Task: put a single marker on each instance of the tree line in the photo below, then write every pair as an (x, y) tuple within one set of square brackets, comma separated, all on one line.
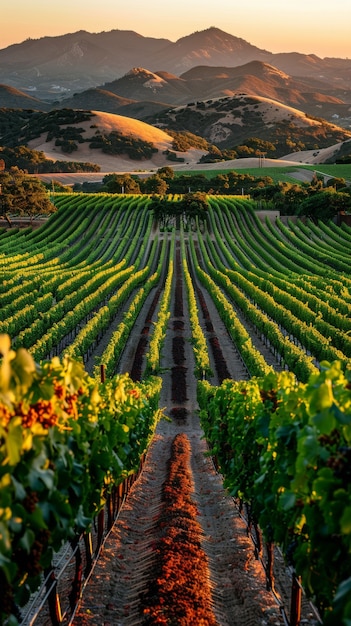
[(24, 195), (315, 199)]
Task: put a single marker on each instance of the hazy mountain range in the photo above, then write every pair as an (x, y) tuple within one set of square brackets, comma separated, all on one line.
[(209, 83), (209, 63)]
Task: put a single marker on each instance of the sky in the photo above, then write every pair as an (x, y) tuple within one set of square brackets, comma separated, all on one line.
[(320, 27)]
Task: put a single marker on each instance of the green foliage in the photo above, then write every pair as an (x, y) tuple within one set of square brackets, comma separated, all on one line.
[(200, 347), (154, 184), (284, 447), (116, 143), (281, 278), (23, 194), (194, 206), (166, 172), (35, 162), (255, 146), (183, 140), (336, 183), (324, 205), (187, 210), (123, 183), (55, 186), (18, 126), (284, 197), (64, 442)]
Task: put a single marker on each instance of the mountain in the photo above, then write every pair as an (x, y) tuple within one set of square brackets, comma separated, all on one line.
[(54, 67), (142, 94), (208, 47), (141, 84), (95, 98), (12, 98), (209, 84), (233, 120), (147, 93)]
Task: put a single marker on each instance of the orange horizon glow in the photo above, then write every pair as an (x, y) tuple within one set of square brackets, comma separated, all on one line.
[(322, 30)]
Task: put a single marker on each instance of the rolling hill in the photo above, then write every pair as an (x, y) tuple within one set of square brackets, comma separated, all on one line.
[(141, 93), (103, 125), (13, 98), (95, 136), (202, 82), (232, 120), (90, 136)]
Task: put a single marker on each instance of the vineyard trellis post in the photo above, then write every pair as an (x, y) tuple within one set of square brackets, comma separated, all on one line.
[(296, 597), (53, 599)]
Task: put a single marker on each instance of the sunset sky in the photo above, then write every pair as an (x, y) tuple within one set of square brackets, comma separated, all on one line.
[(309, 26)]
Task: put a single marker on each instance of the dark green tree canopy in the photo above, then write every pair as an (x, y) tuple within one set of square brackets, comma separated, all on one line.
[(155, 184), (325, 205), (22, 195), (123, 183), (189, 209)]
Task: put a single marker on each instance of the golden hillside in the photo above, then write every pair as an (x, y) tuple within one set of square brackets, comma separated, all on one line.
[(107, 123)]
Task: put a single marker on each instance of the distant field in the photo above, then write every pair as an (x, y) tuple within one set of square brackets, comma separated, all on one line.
[(283, 173), (337, 171), (276, 173)]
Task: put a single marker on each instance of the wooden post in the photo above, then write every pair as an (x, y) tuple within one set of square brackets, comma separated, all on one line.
[(296, 595), (101, 526), (88, 552), (110, 510), (78, 578), (269, 568), (102, 373), (53, 600), (121, 491), (258, 541)]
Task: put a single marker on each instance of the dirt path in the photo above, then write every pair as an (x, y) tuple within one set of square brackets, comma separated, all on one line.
[(239, 595)]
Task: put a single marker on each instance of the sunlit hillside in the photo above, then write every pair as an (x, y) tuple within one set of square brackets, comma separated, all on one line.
[(106, 123)]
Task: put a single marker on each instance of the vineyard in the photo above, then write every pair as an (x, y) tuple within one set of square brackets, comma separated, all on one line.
[(112, 325)]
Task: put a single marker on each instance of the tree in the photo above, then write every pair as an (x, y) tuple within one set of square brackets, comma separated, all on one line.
[(191, 207), (220, 183), (163, 210), (337, 183), (293, 195), (284, 197), (154, 184), (325, 205), (57, 187), (166, 172), (22, 194), (194, 206), (255, 146), (268, 193), (124, 183)]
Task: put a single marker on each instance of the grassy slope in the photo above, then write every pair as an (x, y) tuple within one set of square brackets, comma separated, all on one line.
[(279, 173)]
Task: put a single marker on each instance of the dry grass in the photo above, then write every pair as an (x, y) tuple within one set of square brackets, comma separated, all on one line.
[(109, 122)]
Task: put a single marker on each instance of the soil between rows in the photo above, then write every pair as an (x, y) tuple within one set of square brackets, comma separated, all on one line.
[(120, 578)]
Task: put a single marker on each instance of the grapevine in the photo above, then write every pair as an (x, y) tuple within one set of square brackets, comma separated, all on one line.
[(284, 448), (65, 440)]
